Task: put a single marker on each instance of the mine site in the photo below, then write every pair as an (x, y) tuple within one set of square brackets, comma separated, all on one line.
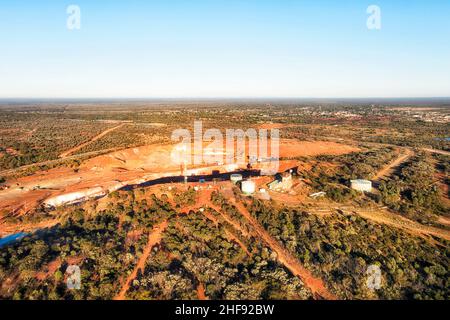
[(97, 186), (224, 159)]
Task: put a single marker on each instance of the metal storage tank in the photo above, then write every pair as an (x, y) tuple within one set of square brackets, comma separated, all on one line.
[(248, 186), (361, 185), (236, 177)]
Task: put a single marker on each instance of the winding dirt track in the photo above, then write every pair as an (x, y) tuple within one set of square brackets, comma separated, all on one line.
[(153, 239), (97, 137), (316, 285)]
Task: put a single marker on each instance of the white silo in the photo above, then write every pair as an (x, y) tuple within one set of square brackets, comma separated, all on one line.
[(248, 186)]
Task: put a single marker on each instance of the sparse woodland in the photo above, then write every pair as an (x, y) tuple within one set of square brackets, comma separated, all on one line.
[(196, 250)]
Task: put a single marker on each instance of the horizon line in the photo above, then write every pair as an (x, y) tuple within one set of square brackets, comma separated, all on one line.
[(220, 98)]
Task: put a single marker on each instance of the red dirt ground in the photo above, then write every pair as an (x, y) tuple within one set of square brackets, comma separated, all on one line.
[(153, 239), (130, 166), (295, 148), (49, 270), (201, 292)]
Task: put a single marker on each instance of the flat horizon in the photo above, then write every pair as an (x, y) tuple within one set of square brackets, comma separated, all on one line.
[(187, 98)]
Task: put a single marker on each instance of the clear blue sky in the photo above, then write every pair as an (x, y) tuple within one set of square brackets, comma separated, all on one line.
[(224, 48)]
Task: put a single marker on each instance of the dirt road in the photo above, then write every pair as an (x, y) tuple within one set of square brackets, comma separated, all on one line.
[(383, 215), (395, 220), (154, 238), (316, 285), (387, 170), (97, 137), (446, 153)]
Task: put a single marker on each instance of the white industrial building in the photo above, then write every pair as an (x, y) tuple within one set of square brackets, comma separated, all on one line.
[(74, 197)]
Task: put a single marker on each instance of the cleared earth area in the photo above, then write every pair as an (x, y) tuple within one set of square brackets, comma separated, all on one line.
[(107, 173)]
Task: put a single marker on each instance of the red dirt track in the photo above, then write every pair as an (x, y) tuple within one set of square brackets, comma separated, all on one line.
[(154, 238)]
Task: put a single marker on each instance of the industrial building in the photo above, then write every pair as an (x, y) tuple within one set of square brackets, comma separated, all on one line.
[(282, 182), (74, 197)]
